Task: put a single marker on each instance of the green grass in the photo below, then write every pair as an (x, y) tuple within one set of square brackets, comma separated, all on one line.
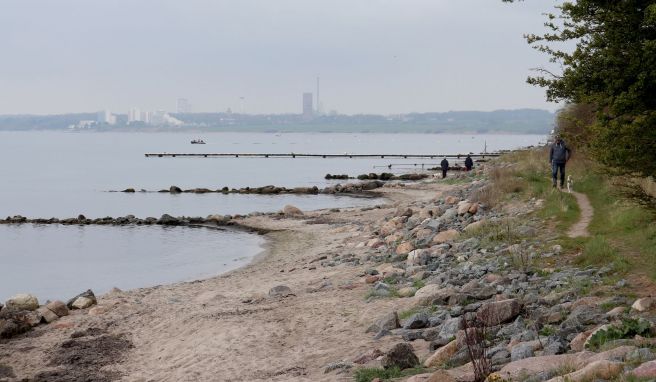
[(598, 252), (623, 231), (419, 284), (369, 374)]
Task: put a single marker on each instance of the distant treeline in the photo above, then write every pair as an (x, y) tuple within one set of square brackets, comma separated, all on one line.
[(526, 121)]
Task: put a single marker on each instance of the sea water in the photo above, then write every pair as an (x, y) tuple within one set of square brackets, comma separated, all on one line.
[(57, 174)]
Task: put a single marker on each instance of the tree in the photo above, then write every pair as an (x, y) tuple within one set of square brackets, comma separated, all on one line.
[(612, 67)]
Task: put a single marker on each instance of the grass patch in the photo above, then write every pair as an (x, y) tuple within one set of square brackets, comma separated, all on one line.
[(598, 252), (369, 374), (419, 284)]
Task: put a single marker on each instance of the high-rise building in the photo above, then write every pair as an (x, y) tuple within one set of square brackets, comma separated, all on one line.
[(134, 115), (308, 110), (183, 105), (104, 116)]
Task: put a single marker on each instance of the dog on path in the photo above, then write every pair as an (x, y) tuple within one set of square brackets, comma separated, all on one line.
[(570, 183)]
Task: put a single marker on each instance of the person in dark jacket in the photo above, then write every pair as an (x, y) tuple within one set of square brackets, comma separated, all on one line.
[(558, 157), (469, 163), (445, 167)]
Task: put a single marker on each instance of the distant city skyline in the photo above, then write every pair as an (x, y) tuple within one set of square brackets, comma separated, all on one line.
[(383, 57)]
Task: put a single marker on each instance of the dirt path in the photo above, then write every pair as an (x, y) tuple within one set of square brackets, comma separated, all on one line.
[(580, 229)]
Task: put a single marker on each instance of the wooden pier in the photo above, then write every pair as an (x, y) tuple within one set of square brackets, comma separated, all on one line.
[(346, 155)]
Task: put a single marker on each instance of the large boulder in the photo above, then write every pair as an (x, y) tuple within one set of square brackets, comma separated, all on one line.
[(402, 355), (597, 370), (498, 312), (175, 190), (167, 219), (404, 248), (434, 294), (643, 304), (14, 322), (23, 301), (463, 207), (47, 315), (290, 210), (442, 355), (58, 307), (82, 300), (646, 370), (389, 321), (445, 236)]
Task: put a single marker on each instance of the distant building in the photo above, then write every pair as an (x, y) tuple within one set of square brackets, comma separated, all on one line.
[(308, 109), (105, 117), (146, 117), (183, 105), (134, 115)]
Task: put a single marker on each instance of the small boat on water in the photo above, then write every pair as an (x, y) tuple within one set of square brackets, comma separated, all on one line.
[(198, 142)]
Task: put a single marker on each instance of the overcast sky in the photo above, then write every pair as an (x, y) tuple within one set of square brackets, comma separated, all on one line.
[(373, 56)]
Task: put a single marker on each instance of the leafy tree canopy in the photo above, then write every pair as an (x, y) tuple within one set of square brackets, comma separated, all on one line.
[(611, 66)]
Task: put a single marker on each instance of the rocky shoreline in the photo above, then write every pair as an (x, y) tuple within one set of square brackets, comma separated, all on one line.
[(436, 284)]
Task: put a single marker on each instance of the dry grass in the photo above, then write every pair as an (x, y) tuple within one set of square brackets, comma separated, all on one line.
[(648, 186)]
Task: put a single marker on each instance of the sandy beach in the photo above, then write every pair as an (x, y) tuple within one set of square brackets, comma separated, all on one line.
[(228, 328)]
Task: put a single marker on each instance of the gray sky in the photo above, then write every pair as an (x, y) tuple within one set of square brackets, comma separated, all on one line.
[(373, 56)]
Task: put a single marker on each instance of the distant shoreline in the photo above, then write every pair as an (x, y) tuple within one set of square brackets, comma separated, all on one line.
[(241, 130)]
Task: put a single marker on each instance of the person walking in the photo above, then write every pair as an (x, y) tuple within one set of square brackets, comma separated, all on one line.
[(469, 163), (445, 167), (558, 157)]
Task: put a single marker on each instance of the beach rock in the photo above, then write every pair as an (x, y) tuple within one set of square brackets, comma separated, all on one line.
[(463, 207), (47, 315), (643, 304), (473, 208), (23, 301), (375, 243), (434, 294), (58, 307), (499, 312), (290, 210), (440, 376), (389, 321), (368, 356), (417, 321), (521, 351), (280, 291), (403, 211), (597, 370), (474, 226), (14, 322), (404, 248), (646, 370), (402, 355), (82, 303), (445, 236), (451, 200), (86, 299), (175, 190), (417, 257), (340, 365), (442, 354), (97, 311), (128, 190), (167, 219)]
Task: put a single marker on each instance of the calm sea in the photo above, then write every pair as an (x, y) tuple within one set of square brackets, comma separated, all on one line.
[(47, 174)]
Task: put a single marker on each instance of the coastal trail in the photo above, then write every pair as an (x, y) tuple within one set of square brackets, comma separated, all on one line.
[(580, 229)]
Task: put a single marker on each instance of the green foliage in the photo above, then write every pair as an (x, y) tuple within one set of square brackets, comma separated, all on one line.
[(610, 70), (628, 329), (597, 251), (419, 284), (369, 374)]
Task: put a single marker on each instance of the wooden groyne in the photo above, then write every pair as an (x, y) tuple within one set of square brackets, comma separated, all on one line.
[(295, 155)]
